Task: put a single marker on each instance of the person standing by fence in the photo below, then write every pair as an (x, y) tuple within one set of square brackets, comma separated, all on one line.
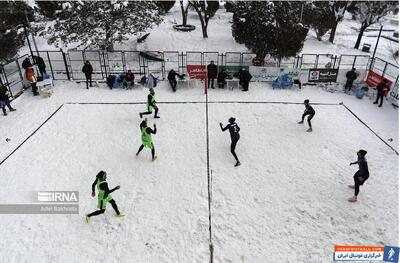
[(4, 99), (88, 70), (381, 89), (41, 65), (212, 71), (31, 77), (350, 76)]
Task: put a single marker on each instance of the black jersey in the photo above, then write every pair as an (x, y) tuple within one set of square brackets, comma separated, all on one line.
[(309, 110), (233, 130)]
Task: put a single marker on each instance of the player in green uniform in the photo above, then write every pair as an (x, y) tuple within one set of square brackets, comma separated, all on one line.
[(104, 196), (151, 103), (146, 138)]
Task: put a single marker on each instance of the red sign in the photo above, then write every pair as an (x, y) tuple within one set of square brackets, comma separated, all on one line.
[(197, 71), (373, 79)]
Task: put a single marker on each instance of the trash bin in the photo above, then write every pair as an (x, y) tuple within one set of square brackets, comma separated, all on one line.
[(366, 47)]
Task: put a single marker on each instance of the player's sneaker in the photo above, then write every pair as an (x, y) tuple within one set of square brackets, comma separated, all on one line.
[(87, 219), (156, 117), (300, 122), (153, 159), (237, 164), (309, 130), (121, 214), (351, 186), (353, 199)]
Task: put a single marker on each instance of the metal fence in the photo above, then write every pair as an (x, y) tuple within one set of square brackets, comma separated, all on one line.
[(68, 66)]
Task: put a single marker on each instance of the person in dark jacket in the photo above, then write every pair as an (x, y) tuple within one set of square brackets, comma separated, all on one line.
[(129, 79), (88, 70), (381, 88), (172, 78), (244, 79), (41, 65), (361, 175), (235, 136), (4, 99), (212, 71), (350, 76), (222, 79), (26, 63), (308, 111)]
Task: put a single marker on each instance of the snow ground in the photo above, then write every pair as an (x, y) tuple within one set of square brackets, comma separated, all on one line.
[(290, 192)]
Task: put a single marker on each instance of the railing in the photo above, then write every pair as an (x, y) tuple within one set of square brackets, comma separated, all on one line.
[(68, 66)]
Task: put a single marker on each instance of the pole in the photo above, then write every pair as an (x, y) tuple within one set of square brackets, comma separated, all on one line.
[(33, 38), (376, 45), (27, 39)]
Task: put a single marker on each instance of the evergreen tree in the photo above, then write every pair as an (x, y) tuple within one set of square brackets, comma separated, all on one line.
[(370, 12), (165, 6), (319, 16), (47, 8), (205, 10), (101, 23), (13, 16), (269, 28)]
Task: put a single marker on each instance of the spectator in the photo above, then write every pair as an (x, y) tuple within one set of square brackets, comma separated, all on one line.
[(212, 71), (350, 76), (26, 63), (31, 77), (88, 70), (41, 65), (244, 79), (382, 88), (222, 79), (4, 100), (129, 79), (172, 78)]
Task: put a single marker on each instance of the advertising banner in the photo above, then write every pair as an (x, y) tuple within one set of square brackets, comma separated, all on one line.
[(323, 75), (374, 78), (197, 71)]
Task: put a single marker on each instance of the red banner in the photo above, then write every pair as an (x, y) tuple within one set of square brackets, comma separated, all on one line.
[(197, 71), (373, 79)]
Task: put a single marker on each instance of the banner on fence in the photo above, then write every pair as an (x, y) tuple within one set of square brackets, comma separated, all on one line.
[(232, 70), (323, 75), (271, 73), (374, 78), (197, 71)]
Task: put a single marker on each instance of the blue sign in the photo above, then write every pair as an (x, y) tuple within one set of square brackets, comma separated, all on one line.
[(391, 254)]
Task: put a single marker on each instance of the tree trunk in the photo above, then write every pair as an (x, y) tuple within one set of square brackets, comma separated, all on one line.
[(203, 20), (184, 13), (360, 35), (333, 31)]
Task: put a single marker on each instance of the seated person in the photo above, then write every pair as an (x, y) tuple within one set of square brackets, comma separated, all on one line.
[(221, 78), (129, 78)]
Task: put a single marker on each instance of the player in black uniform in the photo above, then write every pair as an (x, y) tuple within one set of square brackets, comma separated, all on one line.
[(235, 136), (361, 175), (309, 111)]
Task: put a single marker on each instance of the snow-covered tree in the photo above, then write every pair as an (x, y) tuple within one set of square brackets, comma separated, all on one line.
[(47, 8), (319, 16), (338, 8), (269, 28), (370, 12), (184, 10), (205, 10), (12, 18), (165, 6), (101, 23)]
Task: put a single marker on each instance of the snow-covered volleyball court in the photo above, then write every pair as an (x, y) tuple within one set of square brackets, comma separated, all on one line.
[(287, 202)]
